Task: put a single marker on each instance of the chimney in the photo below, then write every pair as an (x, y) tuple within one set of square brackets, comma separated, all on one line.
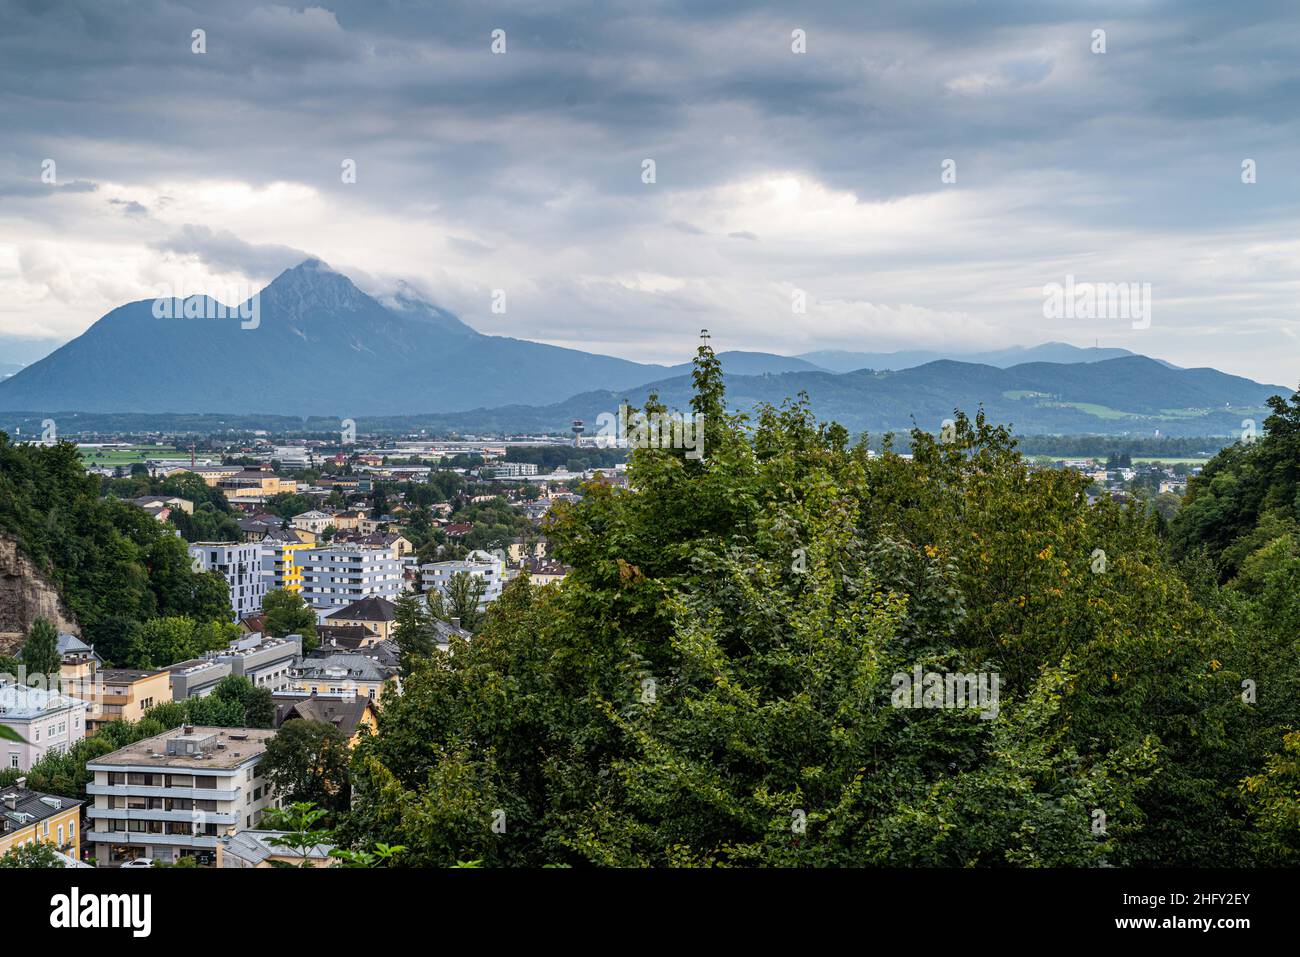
[(11, 801), (187, 729), (21, 783), (455, 622)]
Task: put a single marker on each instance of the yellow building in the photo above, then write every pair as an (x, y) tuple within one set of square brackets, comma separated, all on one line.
[(279, 558), (340, 673), (348, 713), (29, 817)]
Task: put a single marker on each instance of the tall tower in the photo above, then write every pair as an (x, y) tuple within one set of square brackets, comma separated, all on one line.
[(578, 429)]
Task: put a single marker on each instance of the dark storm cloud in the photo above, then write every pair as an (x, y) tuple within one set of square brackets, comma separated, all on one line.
[(224, 251), (541, 149)]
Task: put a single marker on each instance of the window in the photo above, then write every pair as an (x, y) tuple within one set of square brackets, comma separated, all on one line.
[(13, 760), (60, 835)]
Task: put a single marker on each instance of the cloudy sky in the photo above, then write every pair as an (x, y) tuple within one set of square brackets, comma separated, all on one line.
[(775, 171)]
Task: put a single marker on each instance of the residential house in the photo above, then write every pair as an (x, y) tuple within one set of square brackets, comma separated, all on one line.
[(43, 720), (347, 712), (78, 660), (256, 848), (376, 614), (31, 817), (314, 521), (341, 673), (165, 501)]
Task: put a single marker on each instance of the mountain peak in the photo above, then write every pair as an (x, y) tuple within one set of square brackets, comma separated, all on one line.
[(313, 286)]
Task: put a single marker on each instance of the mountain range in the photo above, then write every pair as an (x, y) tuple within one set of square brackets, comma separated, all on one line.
[(321, 346)]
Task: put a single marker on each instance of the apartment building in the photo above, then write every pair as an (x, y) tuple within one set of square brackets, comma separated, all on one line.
[(176, 794), (196, 678), (507, 470), (241, 565), (123, 694), (280, 566), (478, 563), (30, 817), (43, 720), (336, 576), (263, 660)]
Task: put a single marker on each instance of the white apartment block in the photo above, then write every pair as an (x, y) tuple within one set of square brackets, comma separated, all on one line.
[(45, 720), (263, 660), (337, 575), (241, 565), (479, 563), (176, 794)]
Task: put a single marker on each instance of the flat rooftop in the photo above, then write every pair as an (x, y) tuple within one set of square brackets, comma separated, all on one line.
[(231, 747), (125, 675)]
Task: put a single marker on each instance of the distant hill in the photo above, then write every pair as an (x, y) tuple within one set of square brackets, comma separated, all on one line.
[(751, 363), (837, 361), (324, 348), (1132, 395)]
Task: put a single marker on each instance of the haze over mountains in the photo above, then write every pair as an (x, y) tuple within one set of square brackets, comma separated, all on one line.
[(323, 347)]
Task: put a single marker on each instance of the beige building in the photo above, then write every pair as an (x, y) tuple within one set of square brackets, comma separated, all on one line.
[(123, 694), (340, 673), (177, 794)]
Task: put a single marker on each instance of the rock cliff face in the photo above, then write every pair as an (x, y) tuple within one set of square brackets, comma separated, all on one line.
[(25, 595)]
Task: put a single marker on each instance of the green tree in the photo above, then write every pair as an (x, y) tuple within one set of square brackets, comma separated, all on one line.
[(463, 593), (287, 614), (35, 854), (308, 761), (41, 651)]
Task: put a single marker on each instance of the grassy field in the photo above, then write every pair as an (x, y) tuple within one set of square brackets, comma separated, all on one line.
[(128, 455)]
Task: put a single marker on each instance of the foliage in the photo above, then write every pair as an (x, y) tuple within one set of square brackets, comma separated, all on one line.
[(286, 613), (40, 650), (308, 761), (105, 556), (462, 595), (34, 854)]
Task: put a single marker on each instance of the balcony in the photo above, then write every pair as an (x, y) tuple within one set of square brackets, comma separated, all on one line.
[(140, 790), (136, 837), (141, 814)]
